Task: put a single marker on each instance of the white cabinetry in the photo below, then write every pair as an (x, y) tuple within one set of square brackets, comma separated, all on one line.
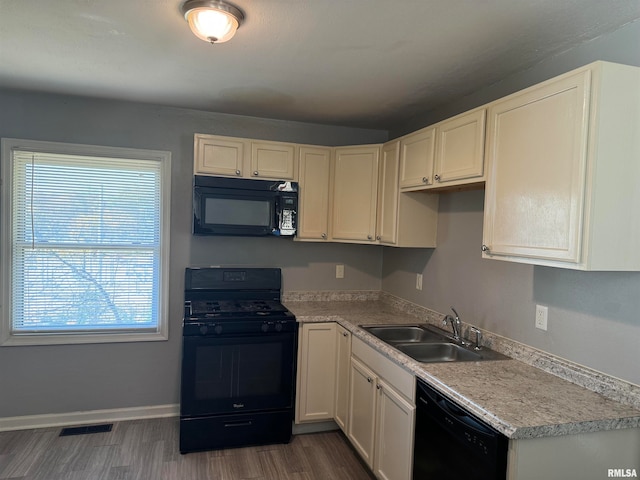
[(381, 413), (355, 188), (459, 158), (447, 154), (563, 172), (314, 198), (316, 372), (343, 366), (243, 157), (416, 158), (405, 219)]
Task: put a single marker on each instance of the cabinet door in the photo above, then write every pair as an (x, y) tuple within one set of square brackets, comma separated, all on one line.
[(316, 372), (355, 186), (215, 155), (314, 177), (394, 434), (460, 149), (343, 366), (362, 410), (272, 160), (387, 219), (416, 158), (534, 196)]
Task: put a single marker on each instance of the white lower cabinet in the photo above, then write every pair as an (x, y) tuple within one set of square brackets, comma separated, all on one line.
[(316, 372), (381, 413), (343, 367)]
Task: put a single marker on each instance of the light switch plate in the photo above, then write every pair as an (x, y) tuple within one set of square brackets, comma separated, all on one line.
[(419, 281), (339, 271)]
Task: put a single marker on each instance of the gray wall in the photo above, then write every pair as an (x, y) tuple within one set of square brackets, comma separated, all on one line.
[(55, 379), (594, 317)]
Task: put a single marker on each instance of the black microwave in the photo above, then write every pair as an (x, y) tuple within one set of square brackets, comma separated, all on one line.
[(244, 207)]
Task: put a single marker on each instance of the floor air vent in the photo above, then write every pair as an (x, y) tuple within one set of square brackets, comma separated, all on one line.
[(105, 427)]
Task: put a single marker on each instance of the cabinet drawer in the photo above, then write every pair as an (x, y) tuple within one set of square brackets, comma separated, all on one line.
[(393, 374)]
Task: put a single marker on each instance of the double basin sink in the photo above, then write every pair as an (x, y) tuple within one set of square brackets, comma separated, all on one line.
[(428, 344)]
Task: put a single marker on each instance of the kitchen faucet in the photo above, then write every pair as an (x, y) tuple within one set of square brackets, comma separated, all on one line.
[(456, 325)]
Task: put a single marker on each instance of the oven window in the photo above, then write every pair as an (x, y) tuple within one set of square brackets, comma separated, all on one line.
[(234, 211), (228, 371)]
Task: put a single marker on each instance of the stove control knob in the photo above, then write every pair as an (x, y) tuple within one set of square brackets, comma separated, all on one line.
[(204, 329), (279, 327), (218, 329), (265, 327)]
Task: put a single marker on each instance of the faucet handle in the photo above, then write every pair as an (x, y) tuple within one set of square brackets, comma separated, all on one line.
[(456, 313), (478, 337)]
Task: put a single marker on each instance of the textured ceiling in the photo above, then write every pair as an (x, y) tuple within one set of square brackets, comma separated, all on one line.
[(366, 63)]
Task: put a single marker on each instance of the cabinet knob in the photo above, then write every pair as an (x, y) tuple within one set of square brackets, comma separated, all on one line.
[(369, 237), (238, 172), (378, 387), (255, 173), (369, 379), (378, 237), (485, 248), (437, 177), (324, 235), (425, 179), (345, 334)]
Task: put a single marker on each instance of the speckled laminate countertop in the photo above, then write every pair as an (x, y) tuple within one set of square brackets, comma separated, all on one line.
[(517, 399)]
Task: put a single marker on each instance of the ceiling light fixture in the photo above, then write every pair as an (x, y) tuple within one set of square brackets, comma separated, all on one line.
[(213, 21)]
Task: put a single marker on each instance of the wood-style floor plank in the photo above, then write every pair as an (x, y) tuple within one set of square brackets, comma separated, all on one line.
[(148, 450)]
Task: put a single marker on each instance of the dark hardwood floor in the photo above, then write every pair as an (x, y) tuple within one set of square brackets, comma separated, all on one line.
[(148, 450)]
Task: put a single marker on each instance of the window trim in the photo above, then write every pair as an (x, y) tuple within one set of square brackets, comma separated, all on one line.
[(7, 338)]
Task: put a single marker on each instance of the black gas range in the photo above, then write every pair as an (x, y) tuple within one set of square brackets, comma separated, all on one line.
[(238, 362)]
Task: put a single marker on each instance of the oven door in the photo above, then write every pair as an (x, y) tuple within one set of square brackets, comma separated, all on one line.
[(236, 374)]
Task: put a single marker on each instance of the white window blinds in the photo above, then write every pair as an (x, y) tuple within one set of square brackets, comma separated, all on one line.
[(86, 243)]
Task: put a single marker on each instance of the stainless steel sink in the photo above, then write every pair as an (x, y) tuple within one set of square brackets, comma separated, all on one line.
[(403, 333), (438, 352), (428, 344)]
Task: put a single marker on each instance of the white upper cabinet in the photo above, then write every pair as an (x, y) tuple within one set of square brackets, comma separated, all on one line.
[(355, 190), (387, 215), (314, 198), (459, 157), (563, 171), (214, 155), (243, 157), (417, 152), (274, 160)]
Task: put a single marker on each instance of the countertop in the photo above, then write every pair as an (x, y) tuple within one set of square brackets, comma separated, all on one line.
[(517, 399)]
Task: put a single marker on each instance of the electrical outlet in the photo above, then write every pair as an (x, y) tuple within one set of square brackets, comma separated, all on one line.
[(419, 281), (541, 317), (340, 271)]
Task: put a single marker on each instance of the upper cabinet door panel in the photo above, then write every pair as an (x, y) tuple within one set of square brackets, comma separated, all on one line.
[(219, 155), (387, 220), (416, 158), (460, 149), (314, 173), (272, 160), (355, 186), (534, 199)]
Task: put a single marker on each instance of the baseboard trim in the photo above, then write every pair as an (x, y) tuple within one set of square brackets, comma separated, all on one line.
[(314, 427), (27, 422)]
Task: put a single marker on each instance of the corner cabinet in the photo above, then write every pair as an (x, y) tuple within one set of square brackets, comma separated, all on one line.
[(316, 372), (314, 166), (243, 157), (404, 219), (563, 172), (355, 190)]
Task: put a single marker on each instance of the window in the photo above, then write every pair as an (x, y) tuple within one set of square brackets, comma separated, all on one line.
[(85, 237)]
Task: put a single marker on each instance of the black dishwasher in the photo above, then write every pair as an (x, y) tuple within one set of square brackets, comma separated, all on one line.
[(451, 444)]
